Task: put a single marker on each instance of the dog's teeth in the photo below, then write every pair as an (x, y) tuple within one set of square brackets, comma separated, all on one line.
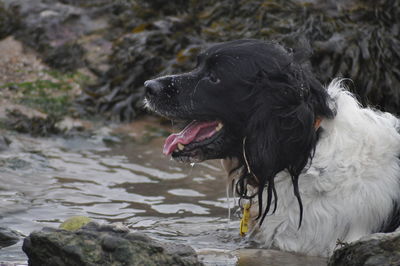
[(219, 127), (181, 146)]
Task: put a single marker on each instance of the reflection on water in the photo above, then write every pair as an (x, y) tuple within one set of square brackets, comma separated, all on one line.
[(45, 181)]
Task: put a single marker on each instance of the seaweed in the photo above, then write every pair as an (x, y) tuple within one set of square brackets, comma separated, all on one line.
[(136, 57), (67, 57), (54, 95), (356, 39), (8, 22), (36, 126)]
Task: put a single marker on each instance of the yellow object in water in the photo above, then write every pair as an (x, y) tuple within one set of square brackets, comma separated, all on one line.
[(74, 223), (244, 223)]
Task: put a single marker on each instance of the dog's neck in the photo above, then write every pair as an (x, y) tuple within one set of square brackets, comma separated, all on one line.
[(232, 165)]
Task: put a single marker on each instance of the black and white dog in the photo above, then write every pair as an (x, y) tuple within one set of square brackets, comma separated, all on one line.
[(322, 167)]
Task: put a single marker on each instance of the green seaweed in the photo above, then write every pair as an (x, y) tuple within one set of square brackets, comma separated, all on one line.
[(49, 96), (54, 97)]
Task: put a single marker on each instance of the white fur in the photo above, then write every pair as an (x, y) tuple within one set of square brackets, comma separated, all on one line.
[(349, 189)]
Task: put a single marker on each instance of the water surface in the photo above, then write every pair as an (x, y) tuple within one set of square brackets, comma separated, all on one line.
[(43, 181)]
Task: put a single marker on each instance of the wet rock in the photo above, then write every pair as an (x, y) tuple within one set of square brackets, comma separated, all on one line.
[(54, 29), (4, 142), (96, 244), (8, 237), (8, 23), (375, 250), (34, 125), (69, 125)]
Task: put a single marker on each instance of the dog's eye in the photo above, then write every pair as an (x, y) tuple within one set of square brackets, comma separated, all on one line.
[(213, 78)]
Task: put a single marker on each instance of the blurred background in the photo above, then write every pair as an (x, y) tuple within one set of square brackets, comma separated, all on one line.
[(75, 140)]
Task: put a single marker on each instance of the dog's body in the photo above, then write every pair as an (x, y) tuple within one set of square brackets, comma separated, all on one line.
[(350, 190), (342, 175)]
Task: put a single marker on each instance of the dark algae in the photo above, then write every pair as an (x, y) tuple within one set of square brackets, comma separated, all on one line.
[(137, 40)]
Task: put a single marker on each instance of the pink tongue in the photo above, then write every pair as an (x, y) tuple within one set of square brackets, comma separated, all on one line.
[(195, 131)]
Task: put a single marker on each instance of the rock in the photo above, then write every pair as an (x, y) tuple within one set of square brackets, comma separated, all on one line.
[(18, 64), (59, 31), (96, 244), (8, 237), (69, 124), (8, 22), (34, 125), (375, 250), (4, 143)]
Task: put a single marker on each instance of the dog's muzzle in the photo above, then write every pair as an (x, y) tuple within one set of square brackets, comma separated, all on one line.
[(152, 88)]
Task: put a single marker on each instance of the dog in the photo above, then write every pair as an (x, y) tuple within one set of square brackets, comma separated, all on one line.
[(314, 166)]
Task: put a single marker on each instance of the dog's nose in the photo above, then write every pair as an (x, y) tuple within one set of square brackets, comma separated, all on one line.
[(152, 87)]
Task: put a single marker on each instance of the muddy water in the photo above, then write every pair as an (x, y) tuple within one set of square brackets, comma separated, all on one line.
[(45, 181)]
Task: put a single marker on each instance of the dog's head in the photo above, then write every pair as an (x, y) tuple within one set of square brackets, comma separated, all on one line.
[(249, 99)]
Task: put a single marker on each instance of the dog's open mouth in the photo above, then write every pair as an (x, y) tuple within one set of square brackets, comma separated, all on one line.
[(194, 141)]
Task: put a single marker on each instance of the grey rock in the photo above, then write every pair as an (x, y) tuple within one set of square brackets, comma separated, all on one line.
[(4, 142), (8, 237), (375, 250), (60, 32), (96, 244)]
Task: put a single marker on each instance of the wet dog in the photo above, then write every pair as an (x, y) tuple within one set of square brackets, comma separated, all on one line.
[(313, 164)]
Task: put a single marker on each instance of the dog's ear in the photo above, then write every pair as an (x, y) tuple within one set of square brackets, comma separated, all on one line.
[(280, 132)]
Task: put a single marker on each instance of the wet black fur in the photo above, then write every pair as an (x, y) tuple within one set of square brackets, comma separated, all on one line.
[(262, 93)]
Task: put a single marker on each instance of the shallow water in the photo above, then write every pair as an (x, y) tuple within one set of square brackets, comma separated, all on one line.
[(43, 181)]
